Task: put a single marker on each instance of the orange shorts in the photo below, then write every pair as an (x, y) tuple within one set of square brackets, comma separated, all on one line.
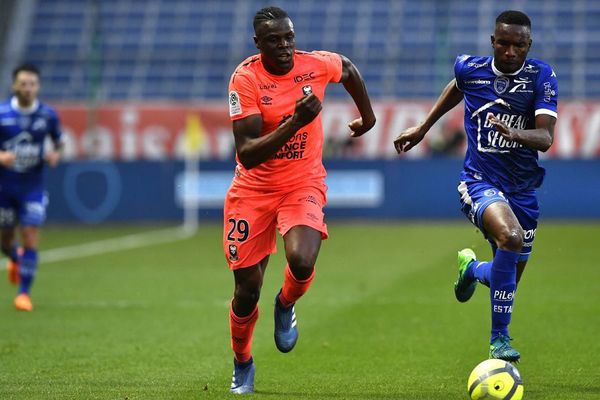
[(251, 218)]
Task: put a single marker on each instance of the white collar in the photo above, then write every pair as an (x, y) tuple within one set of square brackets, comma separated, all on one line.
[(499, 73), (14, 103)]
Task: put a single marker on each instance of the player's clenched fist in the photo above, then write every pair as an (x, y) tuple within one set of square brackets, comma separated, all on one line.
[(307, 109), (506, 132), (7, 158), (360, 126), (53, 158)]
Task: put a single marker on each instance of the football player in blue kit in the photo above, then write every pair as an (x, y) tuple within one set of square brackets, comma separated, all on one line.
[(510, 113), (25, 123)]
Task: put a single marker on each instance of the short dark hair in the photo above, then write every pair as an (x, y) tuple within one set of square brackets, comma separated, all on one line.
[(512, 17), (27, 67), (268, 14)]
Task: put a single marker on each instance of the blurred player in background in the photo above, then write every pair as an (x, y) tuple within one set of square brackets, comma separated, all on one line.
[(510, 113), (25, 123), (274, 102)]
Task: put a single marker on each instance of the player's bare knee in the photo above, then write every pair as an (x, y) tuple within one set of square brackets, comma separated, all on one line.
[(247, 294), (511, 240), (30, 237), (301, 264)]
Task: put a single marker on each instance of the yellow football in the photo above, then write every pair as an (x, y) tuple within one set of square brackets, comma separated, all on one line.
[(495, 379)]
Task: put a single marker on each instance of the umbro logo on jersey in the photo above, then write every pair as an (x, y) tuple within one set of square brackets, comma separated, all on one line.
[(266, 100)]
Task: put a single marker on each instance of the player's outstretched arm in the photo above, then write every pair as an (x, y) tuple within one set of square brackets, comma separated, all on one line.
[(410, 137), (355, 86), (540, 138), (253, 149), (53, 157)]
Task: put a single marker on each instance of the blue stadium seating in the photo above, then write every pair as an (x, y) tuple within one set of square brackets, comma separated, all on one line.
[(186, 49)]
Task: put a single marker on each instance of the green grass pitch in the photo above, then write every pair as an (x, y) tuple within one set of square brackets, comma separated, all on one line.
[(380, 321)]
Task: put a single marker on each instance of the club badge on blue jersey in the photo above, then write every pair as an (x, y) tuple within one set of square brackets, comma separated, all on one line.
[(501, 84)]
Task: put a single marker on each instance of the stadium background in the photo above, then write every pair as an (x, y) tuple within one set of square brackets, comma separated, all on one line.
[(124, 308), (131, 79)]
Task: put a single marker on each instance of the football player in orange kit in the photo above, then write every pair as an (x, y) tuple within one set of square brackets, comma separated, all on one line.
[(275, 103)]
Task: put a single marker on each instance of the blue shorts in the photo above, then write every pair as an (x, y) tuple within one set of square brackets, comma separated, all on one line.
[(476, 195), (26, 208)]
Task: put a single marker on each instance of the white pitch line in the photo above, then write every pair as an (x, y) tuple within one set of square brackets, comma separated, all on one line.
[(111, 245)]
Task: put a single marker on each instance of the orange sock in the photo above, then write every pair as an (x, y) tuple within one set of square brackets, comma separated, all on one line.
[(293, 288), (241, 334)]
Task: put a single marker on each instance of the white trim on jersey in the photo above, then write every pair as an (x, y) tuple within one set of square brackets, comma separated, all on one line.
[(546, 111), (456, 84), (14, 103)]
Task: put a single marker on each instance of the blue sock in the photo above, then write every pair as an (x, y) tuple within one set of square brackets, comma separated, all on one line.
[(481, 271), (27, 268), (503, 283)]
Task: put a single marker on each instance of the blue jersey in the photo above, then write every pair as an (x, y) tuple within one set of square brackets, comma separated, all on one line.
[(23, 132), (515, 99)]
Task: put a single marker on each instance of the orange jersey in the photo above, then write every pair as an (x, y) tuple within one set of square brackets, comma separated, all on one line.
[(253, 90)]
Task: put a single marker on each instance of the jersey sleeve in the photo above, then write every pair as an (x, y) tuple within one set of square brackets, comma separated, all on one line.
[(459, 65), (333, 63), (55, 128), (242, 96), (546, 97)]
